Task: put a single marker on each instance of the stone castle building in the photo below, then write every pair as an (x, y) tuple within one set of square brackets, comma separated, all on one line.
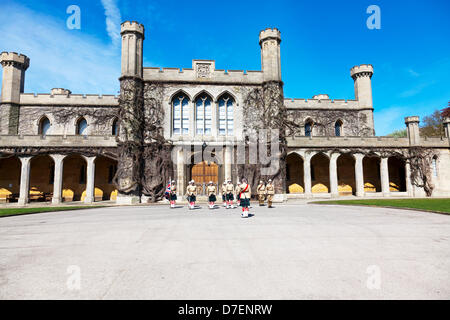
[(62, 146)]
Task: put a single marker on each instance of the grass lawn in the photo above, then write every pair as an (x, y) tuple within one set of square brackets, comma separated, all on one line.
[(17, 211), (436, 205)]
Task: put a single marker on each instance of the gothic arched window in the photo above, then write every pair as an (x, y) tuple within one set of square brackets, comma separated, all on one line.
[(434, 166), (44, 126), (203, 115), (81, 128), (226, 110), (308, 128), (338, 128), (180, 111)]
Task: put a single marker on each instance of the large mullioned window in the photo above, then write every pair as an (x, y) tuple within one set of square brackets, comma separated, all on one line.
[(180, 108), (203, 115), (226, 110)]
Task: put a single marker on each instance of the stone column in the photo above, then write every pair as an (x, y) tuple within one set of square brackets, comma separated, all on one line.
[(228, 161), (90, 180), (307, 174), (180, 172), (24, 181), (359, 174), (333, 175), (58, 177), (409, 186), (384, 174)]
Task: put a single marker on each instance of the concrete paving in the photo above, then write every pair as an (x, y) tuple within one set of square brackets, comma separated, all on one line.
[(300, 251)]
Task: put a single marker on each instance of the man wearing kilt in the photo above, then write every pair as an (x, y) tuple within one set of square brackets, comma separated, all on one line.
[(229, 194), (172, 194), (191, 192), (211, 191), (245, 194), (224, 192)]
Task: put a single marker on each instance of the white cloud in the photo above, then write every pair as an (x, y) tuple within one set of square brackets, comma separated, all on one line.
[(413, 73), (113, 20), (59, 57), (415, 90)]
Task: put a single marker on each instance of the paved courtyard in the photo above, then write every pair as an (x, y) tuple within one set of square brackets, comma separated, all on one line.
[(291, 252)]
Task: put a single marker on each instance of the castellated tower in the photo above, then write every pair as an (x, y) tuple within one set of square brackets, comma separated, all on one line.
[(130, 114), (14, 67), (362, 75), (132, 48), (269, 40), (275, 111)]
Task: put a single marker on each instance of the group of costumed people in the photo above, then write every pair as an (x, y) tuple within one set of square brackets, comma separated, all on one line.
[(242, 192)]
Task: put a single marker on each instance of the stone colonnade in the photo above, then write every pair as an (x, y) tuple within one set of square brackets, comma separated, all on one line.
[(58, 178), (359, 174)]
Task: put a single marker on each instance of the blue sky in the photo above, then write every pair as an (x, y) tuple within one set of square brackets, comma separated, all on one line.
[(321, 41)]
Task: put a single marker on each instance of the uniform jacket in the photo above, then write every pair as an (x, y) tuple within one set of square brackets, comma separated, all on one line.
[(211, 190), (270, 189), (247, 193), (261, 188), (191, 190)]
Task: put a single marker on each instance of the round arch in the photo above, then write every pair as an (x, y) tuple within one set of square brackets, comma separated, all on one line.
[(294, 173), (320, 173), (10, 168)]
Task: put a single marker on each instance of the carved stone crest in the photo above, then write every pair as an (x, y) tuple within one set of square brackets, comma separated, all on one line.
[(203, 70)]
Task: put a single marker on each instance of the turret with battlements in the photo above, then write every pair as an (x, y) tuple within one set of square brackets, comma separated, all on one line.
[(363, 87), (269, 40), (362, 75), (132, 34), (14, 67)]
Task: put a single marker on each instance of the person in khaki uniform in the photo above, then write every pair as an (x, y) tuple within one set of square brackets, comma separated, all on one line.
[(245, 195), (191, 192), (270, 190), (261, 189), (211, 192), (224, 192), (229, 190)]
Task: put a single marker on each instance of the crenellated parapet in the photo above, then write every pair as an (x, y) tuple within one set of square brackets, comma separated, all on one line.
[(269, 34), (68, 99), (132, 27), (363, 70), (14, 59)]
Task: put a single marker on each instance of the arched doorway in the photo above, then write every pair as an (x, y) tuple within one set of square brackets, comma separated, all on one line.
[(204, 172), (294, 173)]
